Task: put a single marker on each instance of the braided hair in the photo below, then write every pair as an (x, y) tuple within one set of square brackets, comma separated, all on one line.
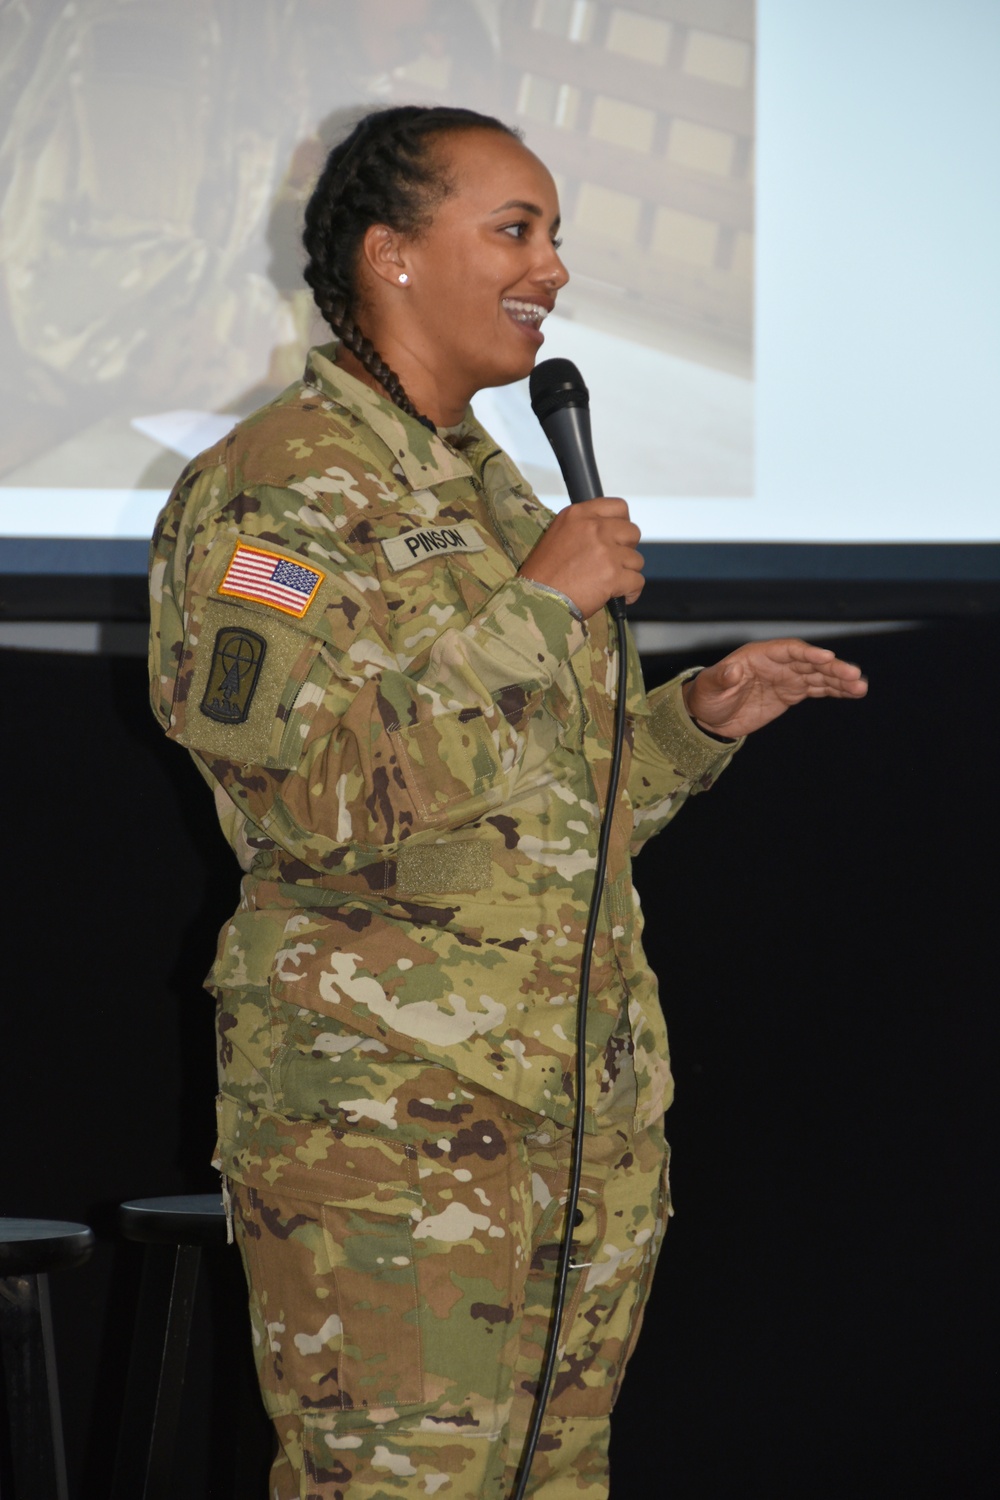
[(382, 173)]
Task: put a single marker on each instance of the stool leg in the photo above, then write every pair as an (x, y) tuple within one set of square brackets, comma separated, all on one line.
[(38, 1458), (148, 1475)]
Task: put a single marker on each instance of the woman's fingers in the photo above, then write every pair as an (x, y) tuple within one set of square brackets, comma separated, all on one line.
[(759, 681), (589, 553)]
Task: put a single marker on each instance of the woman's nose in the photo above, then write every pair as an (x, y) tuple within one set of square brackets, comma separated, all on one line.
[(552, 272)]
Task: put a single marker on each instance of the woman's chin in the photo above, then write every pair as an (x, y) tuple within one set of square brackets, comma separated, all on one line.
[(518, 365)]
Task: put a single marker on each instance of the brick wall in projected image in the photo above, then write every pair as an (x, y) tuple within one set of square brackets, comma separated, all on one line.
[(646, 116)]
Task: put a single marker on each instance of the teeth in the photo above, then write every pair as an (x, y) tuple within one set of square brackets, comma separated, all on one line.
[(525, 312)]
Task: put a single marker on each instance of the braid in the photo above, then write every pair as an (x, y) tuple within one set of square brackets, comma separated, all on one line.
[(367, 355), (382, 173)]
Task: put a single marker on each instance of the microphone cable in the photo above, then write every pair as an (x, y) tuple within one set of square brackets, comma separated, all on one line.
[(576, 1170), (616, 609)]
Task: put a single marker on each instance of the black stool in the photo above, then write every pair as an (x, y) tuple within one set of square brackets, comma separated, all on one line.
[(29, 1250), (185, 1224)]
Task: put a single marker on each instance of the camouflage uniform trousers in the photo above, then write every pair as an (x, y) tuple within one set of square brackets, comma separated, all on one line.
[(401, 1259)]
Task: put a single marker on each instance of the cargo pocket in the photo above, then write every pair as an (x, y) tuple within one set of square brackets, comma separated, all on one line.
[(324, 1221), (651, 1254)]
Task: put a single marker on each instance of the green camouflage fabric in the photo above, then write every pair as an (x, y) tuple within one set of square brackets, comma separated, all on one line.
[(402, 1282), (409, 747), (411, 769)]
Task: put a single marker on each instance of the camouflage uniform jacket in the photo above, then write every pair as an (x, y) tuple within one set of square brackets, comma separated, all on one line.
[(410, 745)]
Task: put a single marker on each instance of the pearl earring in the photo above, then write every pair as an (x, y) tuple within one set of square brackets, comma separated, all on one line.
[(403, 278)]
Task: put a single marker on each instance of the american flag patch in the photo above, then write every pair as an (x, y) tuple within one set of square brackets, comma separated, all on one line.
[(271, 579)]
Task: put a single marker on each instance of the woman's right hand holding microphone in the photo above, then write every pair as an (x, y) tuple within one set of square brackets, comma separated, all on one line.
[(589, 553)]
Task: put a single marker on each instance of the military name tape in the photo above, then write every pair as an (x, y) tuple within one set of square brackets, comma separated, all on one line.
[(414, 546)]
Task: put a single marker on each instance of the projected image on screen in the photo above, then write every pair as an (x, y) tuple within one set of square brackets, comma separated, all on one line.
[(647, 121), (155, 161)]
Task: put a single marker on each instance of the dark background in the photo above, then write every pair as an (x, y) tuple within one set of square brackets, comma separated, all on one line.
[(823, 926)]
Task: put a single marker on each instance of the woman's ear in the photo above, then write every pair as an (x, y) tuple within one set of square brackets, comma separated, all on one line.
[(383, 254)]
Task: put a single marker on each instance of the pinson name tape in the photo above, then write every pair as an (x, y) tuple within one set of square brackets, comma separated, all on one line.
[(431, 541)]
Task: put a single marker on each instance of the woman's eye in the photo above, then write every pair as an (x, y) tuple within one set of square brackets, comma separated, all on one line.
[(557, 242), (517, 231)]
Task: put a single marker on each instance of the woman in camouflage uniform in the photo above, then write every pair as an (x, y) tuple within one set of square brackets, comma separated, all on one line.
[(394, 668)]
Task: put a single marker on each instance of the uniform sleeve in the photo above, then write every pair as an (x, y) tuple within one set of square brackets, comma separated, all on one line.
[(334, 735), (671, 760)]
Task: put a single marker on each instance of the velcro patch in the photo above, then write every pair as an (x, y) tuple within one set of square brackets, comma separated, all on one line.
[(232, 677), (270, 578), (444, 869), (414, 546)]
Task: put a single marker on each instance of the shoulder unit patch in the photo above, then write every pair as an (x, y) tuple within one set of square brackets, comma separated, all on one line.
[(232, 678)]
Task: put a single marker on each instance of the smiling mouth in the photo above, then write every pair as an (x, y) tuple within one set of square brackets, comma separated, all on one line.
[(530, 313)]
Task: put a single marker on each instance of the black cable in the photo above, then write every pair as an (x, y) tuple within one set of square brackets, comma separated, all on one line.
[(576, 1172)]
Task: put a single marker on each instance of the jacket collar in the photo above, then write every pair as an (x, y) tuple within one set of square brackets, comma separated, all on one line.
[(424, 458)]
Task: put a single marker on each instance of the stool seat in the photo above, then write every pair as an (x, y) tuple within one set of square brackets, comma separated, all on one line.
[(182, 1219), (32, 1247)]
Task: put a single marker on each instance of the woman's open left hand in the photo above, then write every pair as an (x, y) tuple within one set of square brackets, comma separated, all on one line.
[(759, 681)]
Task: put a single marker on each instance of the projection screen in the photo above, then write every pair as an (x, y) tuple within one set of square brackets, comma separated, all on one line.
[(781, 223)]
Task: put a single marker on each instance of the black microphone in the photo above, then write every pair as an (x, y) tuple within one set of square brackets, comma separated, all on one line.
[(561, 402)]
